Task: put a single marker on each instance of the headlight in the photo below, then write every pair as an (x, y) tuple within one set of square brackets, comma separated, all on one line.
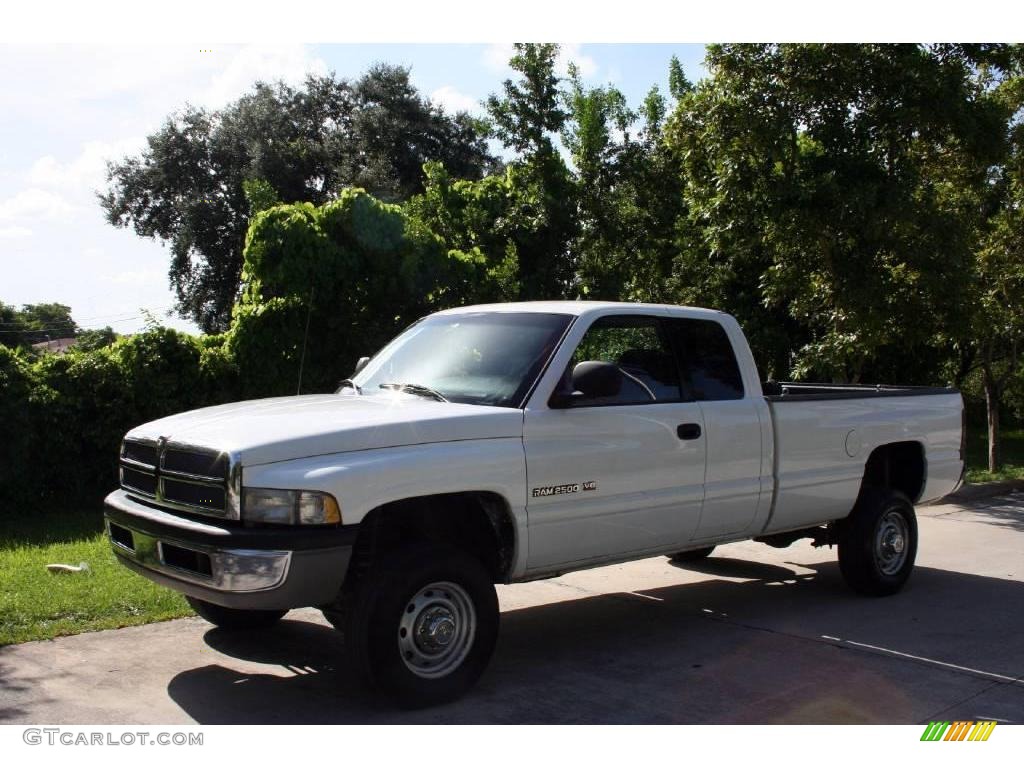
[(271, 505)]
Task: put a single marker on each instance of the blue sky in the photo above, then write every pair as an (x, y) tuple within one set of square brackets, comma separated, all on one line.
[(68, 109)]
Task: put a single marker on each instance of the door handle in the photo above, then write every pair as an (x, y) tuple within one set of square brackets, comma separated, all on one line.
[(688, 431)]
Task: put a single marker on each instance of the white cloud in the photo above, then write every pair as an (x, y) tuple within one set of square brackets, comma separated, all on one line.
[(497, 55), (34, 203), (130, 83), (138, 277), (454, 100), (73, 107), (572, 52), (14, 233), (131, 89), (289, 63), (87, 171)]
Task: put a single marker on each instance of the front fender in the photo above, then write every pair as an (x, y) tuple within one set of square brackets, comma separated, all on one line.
[(364, 480)]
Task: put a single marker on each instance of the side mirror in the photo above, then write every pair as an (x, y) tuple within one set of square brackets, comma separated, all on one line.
[(360, 365), (591, 379)]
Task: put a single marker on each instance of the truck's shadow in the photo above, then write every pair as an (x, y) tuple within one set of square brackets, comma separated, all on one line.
[(779, 648)]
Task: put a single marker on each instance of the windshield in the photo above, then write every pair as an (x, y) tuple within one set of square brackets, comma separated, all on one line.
[(486, 358)]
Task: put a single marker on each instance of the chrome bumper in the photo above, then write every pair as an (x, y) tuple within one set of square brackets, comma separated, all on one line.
[(226, 564), (230, 570)]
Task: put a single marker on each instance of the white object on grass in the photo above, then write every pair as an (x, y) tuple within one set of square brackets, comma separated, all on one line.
[(62, 568)]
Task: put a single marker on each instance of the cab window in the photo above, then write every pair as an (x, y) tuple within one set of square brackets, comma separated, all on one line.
[(706, 359), (639, 347)]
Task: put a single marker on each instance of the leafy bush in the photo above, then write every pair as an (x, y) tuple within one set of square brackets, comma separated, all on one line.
[(15, 424), (357, 270), (65, 415)]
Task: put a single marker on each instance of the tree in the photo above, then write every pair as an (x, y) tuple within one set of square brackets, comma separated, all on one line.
[(95, 338), (35, 323), (603, 229), (526, 119), (990, 340), (678, 85), (355, 271), (829, 192), (12, 326), (188, 187), (480, 221), (629, 191)]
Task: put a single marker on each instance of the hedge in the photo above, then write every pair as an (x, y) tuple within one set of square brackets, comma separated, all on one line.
[(63, 416)]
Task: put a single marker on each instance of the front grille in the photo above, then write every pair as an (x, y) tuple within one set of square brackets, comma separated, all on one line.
[(138, 480), (177, 476), (193, 494), (200, 463), (143, 453)]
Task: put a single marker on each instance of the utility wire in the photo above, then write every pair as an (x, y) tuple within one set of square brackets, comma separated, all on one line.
[(96, 317)]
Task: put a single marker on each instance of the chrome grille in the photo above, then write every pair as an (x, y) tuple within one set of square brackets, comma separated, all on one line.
[(178, 476), (194, 463), (138, 480), (141, 453)]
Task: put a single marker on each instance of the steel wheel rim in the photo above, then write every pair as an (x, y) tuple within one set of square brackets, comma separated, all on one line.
[(892, 540), (437, 629)]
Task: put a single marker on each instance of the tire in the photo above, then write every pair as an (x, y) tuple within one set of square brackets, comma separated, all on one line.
[(691, 555), (422, 624), (234, 618), (878, 543)]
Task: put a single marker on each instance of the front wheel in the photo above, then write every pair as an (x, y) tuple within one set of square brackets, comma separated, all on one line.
[(234, 618), (423, 624), (878, 543)]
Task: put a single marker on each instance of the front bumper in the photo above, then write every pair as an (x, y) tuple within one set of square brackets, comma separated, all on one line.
[(246, 568)]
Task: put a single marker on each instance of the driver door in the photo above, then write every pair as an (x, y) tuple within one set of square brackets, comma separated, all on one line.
[(618, 474)]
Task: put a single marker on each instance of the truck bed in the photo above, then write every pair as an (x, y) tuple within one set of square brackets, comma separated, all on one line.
[(824, 435)]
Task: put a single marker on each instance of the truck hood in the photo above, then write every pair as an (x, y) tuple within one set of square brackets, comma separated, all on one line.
[(282, 428)]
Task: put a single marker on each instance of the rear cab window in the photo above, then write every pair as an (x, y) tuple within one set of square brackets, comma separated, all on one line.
[(707, 362)]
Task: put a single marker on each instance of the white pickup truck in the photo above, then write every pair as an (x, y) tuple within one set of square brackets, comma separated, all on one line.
[(512, 442)]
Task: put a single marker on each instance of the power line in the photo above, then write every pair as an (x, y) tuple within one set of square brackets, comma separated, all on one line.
[(95, 317), (39, 330), (101, 317), (69, 328)]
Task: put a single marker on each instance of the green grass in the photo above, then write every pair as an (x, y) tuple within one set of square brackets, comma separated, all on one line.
[(37, 605), (1012, 443)]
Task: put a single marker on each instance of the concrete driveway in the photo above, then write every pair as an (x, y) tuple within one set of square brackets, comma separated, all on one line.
[(752, 635)]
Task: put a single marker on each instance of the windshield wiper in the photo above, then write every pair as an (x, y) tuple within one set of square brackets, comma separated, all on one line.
[(351, 384), (416, 389)]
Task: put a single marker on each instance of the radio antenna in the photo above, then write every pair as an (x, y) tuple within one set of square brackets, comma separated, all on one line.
[(305, 336)]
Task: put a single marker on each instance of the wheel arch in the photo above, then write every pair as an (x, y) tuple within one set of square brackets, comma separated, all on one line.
[(898, 466), (479, 522)]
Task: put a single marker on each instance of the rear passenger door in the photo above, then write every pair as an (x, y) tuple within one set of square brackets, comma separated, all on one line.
[(619, 475), (711, 377)]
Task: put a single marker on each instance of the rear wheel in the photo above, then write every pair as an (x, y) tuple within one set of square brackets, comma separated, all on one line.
[(691, 555), (422, 624), (878, 543), (234, 618)]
